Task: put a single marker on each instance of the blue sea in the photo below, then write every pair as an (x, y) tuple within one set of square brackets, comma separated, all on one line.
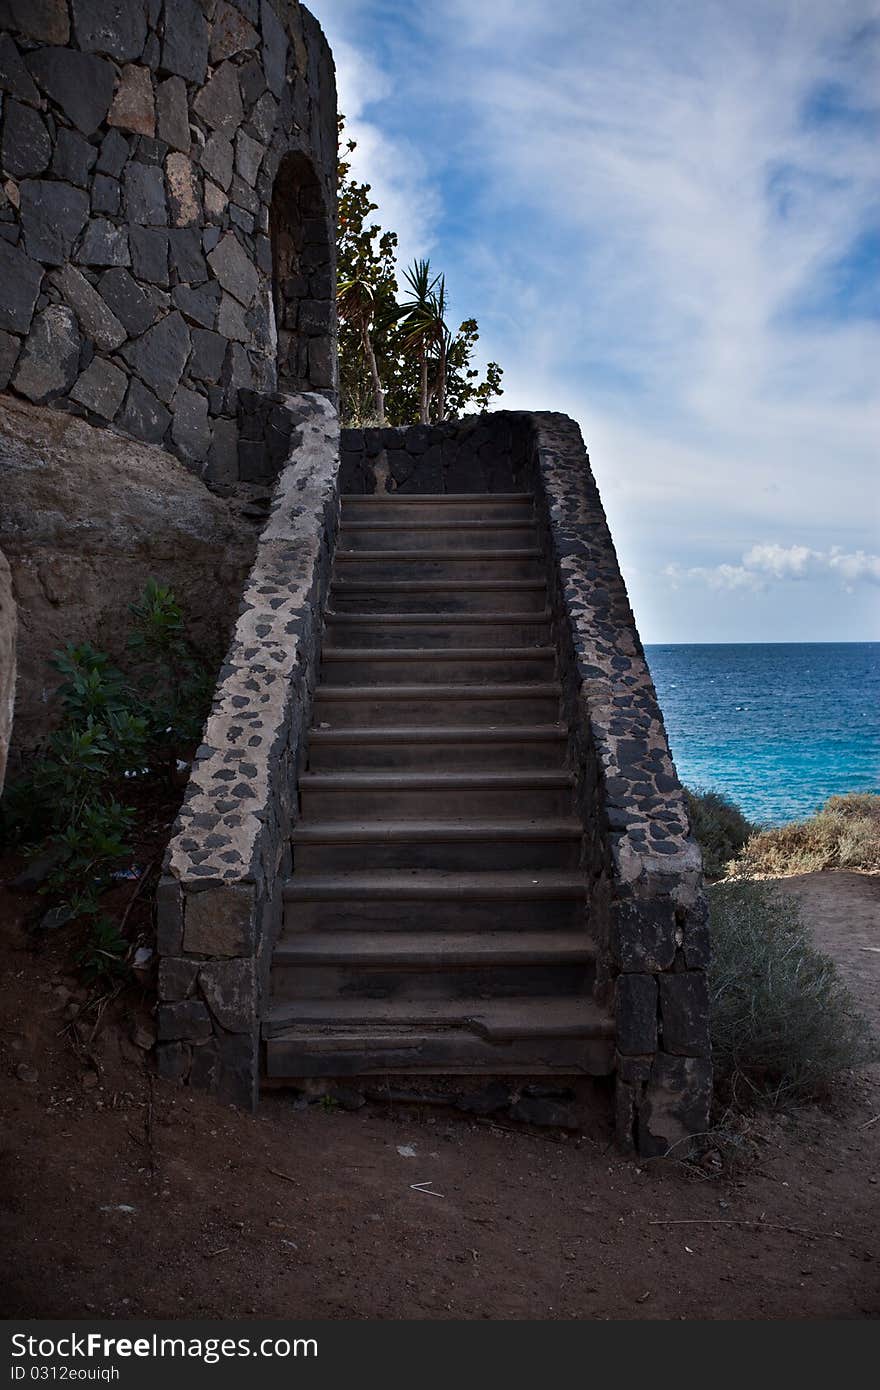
[(776, 727)]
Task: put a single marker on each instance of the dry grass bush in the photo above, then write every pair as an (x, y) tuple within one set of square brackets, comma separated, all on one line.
[(719, 827), (844, 834), (784, 1026)]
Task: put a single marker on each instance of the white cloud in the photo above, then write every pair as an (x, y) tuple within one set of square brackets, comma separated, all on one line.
[(762, 563)]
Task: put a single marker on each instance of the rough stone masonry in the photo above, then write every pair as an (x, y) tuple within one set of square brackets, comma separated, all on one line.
[(167, 214)]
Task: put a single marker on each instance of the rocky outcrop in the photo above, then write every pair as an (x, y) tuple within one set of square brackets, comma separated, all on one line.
[(86, 517), (7, 661)]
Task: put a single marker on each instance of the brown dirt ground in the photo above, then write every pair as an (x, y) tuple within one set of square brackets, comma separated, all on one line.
[(312, 1214)]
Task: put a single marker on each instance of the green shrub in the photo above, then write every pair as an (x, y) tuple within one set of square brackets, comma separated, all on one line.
[(784, 1026), (844, 834), (720, 829)]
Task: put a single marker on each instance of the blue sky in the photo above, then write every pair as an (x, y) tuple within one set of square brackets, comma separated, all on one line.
[(666, 218)]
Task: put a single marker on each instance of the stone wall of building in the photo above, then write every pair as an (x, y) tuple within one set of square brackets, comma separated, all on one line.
[(167, 214)]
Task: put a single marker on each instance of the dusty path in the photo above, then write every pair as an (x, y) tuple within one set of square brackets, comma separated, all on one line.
[(314, 1214), (843, 910)]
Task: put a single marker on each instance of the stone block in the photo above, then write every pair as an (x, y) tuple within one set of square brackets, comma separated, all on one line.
[(49, 359), (217, 159), (134, 107), (21, 279), (104, 244), (132, 307), (220, 921), (10, 346), (159, 356), (222, 465), (229, 988), (200, 304), (189, 424), (149, 254), (107, 26), (173, 1061), (114, 154), (219, 101), (80, 83), (185, 42), (100, 388), (239, 1069), (145, 195), (45, 20), (143, 416), (184, 1022), (275, 45), (231, 321), (96, 317), (234, 269), (643, 934), (248, 157), (684, 1013), (216, 203), (172, 114), (231, 33), (14, 76), (636, 1014), (26, 148), (53, 214), (208, 352), (676, 1103), (106, 195), (187, 256), (184, 204), (177, 978), (169, 915), (73, 158), (264, 116)]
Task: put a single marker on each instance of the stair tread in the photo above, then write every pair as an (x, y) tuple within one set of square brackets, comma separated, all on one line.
[(417, 556), (482, 524), (492, 777), (492, 828), (441, 884), (487, 619), (433, 948), (460, 690), (329, 652), (433, 586), (440, 499), (441, 733), (497, 1019)]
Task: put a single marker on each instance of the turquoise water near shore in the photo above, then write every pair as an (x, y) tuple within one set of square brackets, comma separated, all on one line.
[(778, 727)]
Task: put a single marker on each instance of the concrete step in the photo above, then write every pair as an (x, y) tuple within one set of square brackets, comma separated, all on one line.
[(417, 747), (376, 596), (445, 665), (431, 965), (531, 1036), (530, 703), (405, 534), (439, 564), (337, 847), (381, 630), (435, 901), (467, 506), (394, 795)]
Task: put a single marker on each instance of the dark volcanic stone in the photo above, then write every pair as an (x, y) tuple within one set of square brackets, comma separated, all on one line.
[(104, 244), (114, 153), (231, 33), (219, 101), (100, 388), (199, 304), (149, 255), (274, 48), (105, 195), (40, 19), (21, 279), (531, 1110), (14, 76), (189, 427), (143, 416), (172, 114), (132, 306), (234, 269), (81, 84), (217, 159), (159, 355), (494, 1096), (684, 1011), (185, 45), (10, 346), (49, 360), (73, 158), (208, 352), (636, 1014), (187, 258), (26, 147), (52, 215), (145, 196), (109, 26)]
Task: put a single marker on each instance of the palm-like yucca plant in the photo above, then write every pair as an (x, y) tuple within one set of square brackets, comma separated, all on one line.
[(360, 305), (419, 314)]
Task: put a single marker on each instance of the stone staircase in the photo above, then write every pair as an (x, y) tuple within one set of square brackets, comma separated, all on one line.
[(436, 918)]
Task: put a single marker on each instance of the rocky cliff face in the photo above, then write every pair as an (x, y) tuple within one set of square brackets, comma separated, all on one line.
[(86, 517)]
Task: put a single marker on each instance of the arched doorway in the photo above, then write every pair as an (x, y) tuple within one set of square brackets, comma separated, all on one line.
[(303, 288)]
